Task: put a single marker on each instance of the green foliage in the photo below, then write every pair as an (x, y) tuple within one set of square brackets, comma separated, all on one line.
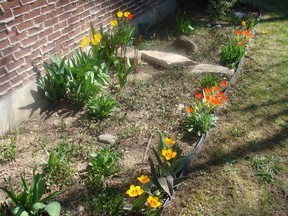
[(8, 151), (266, 168), (100, 107), (104, 200), (107, 201), (183, 25), (209, 80), (105, 162), (123, 70), (29, 202), (219, 8), (201, 122), (231, 53), (53, 83), (57, 168)]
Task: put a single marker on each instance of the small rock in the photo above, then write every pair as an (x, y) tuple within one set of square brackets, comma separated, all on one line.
[(209, 68), (107, 139), (185, 43), (80, 208), (239, 14), (218, 26)]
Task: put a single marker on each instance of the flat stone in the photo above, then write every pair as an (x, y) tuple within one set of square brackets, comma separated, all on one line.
[(209, 68), (130, 53), (107, 139), (166, 60)]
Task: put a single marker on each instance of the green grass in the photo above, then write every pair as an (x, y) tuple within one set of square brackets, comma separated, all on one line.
[(249, 146)]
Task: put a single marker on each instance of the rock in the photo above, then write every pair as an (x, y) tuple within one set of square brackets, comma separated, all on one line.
[(107, 139), (239, 14), (80, 208), (130, 53), (185, 43), (218, 26), (208, 68), (166, 60)]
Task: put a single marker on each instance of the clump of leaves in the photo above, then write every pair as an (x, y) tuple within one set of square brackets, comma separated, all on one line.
[(183, 25), (266, 168), (219, 8), (101, 107), (231, 53), (29, 202), (209, 80), (8, 151)]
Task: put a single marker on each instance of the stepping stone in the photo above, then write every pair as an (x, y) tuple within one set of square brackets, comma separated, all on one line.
[(209, 68), (166, 60)]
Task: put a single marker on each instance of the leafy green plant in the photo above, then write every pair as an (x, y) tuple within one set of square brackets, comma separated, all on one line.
[(53, 83), (209, 80), (100, 107), (219, 8), (29, 202), (57, 168), (183, 25), (8, 151), (265, 168), (123, 70), (107, 201), (231, 53)]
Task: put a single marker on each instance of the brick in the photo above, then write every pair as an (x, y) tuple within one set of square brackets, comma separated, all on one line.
[(4, 88), (50, 2), (15, 65), (34, 31), (7, 16), (24, 26), (84, 15), (21, 10), (22, 53), (16, 38), (38, 4), (17, 81), (54, 36), (50, 22), (60, 25), (73, 20), (41, 19), (10, 50), (35, 55), (25, 2), (64, 16), (32, 14), (39, 43), (46, 49), (62, 3), (9, 5), (29, 41), (4, 44), (70, 8), (15, 22), (48, 9), (67, 30), (79, 10)]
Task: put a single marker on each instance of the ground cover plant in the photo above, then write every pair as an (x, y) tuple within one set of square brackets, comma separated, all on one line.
[(155, 100)]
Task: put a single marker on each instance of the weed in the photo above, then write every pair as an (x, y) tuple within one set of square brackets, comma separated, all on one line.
[(209, 80), (57, 168), (8, 151), (107, 201), (219, 8), (265, 168)]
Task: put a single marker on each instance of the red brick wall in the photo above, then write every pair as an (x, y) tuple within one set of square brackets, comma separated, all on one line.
[(29, 29)]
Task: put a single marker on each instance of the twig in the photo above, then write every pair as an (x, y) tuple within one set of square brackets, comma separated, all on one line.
[(147, 147)]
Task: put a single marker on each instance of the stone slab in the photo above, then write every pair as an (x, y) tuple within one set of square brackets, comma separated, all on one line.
[(166, 60), (129, 53), (209, 68)]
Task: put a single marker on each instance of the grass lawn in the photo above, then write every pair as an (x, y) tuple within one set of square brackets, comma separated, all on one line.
[(243, 169)]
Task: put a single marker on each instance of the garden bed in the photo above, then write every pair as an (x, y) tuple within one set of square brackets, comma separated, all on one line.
[(155, 99)]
